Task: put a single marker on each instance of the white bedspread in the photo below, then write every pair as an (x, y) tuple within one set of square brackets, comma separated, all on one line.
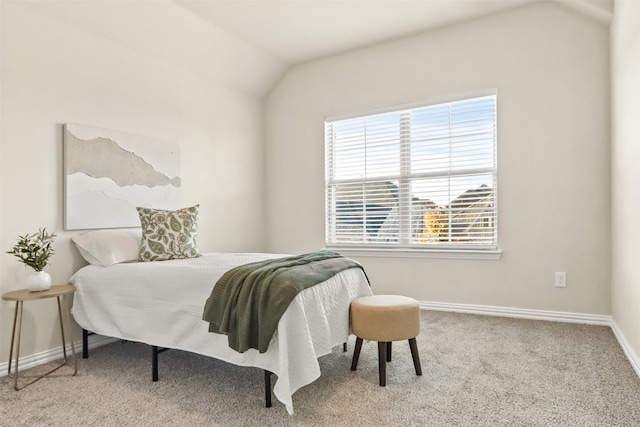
[(161, 304)]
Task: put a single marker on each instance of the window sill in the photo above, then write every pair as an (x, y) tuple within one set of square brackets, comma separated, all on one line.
[(479, 254)]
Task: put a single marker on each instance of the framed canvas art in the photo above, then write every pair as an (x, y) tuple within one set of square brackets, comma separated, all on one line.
[(107, 174)]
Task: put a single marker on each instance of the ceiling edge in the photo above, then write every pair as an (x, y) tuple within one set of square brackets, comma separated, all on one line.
[(589, 9)]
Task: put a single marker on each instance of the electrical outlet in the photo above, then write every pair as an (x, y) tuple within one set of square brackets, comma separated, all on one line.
[(561, 279)]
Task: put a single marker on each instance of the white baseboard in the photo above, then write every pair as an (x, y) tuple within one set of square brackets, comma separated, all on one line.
[(555, 316), (520, 313), (628, 351), (46, 356)]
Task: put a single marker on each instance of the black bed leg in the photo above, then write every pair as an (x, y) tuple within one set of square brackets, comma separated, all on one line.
[(267, 388), (85, 344), (155, 351), (154, 363)]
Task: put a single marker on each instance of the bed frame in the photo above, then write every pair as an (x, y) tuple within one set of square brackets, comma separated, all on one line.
[(155, 350)]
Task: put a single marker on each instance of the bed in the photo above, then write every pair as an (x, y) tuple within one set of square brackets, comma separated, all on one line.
[(160, 303)]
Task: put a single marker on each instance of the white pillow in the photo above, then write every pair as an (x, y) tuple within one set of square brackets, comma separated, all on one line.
[(109, 247)]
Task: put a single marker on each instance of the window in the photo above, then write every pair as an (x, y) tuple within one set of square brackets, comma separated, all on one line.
[(413, 178)]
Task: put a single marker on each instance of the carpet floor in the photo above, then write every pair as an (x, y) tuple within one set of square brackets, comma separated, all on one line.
[(477, 371)]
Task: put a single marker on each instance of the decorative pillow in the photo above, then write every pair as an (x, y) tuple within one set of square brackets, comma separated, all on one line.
[(168, 234), (108, 247)]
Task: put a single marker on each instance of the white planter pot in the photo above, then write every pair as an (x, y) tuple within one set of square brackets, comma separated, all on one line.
[(39, 281)]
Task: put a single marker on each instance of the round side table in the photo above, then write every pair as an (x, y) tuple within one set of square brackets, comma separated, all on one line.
[(22, 295)]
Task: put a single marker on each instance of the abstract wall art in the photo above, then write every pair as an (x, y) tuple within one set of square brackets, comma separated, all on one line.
[(107, 174)]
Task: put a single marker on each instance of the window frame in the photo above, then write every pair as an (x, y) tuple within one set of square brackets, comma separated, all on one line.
[(406, 249)]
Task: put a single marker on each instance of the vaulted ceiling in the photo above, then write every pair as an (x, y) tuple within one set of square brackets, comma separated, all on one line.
[(224, 40), (299, 30)]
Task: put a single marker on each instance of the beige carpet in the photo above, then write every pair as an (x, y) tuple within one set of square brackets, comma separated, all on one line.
[(478, 371)]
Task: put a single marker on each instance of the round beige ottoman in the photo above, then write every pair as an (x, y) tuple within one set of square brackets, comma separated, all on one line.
[(385, 318)]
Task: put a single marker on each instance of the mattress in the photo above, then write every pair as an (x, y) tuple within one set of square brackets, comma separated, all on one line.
[(161, 304)]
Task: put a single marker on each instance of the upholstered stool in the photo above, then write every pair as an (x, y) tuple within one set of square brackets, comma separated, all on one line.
[(385, 318)]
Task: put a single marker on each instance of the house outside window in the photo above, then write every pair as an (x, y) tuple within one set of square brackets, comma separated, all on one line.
[(414, 178)]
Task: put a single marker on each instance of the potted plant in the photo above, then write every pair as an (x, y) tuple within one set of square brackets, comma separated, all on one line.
[(34, 250)]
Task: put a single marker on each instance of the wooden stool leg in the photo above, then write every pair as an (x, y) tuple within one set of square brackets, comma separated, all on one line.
[(382, 362), (267, 389), (356, 354), (414, 355), (389, 351)]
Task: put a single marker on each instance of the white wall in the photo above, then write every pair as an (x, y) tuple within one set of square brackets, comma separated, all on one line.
[(1, 209), (161, 72), (625, 159), (149, 68), (551, 66)]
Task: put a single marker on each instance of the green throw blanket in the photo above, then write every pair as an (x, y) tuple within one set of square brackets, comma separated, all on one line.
[(249, 300)]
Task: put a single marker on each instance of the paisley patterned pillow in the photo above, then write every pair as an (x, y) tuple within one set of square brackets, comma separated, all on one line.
[(168, 234)]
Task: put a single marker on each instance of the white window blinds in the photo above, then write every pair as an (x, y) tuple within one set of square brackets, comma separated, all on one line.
[(417, 177)]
